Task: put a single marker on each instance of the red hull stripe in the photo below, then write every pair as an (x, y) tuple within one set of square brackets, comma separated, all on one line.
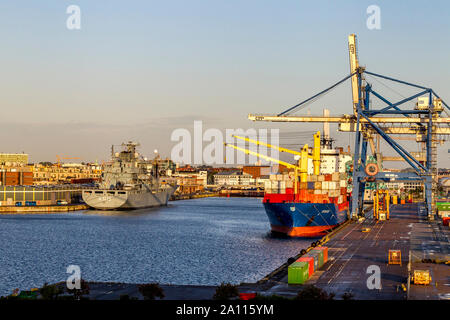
[(303, 231)]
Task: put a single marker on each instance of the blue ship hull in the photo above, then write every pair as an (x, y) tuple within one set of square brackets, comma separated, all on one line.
[(304, 219)]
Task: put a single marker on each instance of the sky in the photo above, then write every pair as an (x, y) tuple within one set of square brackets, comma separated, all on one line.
[(138, 70)]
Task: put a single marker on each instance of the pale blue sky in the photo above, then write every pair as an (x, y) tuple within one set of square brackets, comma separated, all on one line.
[(139, 69)]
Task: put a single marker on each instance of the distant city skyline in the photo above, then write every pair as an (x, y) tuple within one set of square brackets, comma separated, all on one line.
[(139, 70)]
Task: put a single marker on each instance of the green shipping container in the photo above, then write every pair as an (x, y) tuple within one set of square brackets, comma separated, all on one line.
[(443, 206), (315, 254), (298, 273), (320, 256)]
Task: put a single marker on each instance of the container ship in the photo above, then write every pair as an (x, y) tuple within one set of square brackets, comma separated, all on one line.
[(313, 197), (126, 184)]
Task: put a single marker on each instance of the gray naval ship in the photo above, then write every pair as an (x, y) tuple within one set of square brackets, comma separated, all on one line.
[(127, 184)]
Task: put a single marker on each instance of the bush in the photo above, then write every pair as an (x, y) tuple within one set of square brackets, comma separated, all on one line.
[(151, 290), (311, 292), (50, 292), (348, 296), (226, 291), (78, 293)]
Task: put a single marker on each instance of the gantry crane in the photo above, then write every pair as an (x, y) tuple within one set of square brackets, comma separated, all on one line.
[(424, 121)]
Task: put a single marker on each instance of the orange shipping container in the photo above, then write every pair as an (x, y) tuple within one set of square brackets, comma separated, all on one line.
[(310, 261), (9, 174)]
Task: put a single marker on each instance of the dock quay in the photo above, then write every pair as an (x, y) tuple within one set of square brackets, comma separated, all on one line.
[(176, 197), (42, 209), (424, 245)]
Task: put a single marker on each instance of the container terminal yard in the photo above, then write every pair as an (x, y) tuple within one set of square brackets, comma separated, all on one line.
[(403, 242)]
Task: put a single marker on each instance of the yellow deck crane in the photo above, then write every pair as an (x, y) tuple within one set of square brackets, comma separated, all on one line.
[(301, 157)]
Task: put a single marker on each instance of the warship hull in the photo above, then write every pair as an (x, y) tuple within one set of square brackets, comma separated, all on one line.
[(126, 199)]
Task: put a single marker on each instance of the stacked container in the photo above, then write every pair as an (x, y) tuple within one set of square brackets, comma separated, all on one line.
[(11, 178), (27, 178), (304, 267)]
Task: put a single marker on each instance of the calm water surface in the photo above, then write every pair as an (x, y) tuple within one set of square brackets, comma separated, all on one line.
[(201, 241)]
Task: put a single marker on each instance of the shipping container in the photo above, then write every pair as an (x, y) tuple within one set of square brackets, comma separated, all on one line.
[(325, 253), (314, 256), (318, 258), (9, 174), (310, 262), (298, 273), (321, 256)]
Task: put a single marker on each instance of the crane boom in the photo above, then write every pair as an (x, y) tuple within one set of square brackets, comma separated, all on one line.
[(354, 65), (260, 143), (253, 153)]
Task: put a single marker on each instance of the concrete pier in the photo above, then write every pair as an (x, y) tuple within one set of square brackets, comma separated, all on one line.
[(353, 253), (42, 209)]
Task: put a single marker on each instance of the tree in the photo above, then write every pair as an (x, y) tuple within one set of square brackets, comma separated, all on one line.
[(151, 290), (311, 292), (348, 296), (50, 292), (226, 291)]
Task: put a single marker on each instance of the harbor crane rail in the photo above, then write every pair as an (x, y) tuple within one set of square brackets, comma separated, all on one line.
[(424, 121)]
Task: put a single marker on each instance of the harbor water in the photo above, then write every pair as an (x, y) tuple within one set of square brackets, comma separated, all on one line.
[(200, 241)]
